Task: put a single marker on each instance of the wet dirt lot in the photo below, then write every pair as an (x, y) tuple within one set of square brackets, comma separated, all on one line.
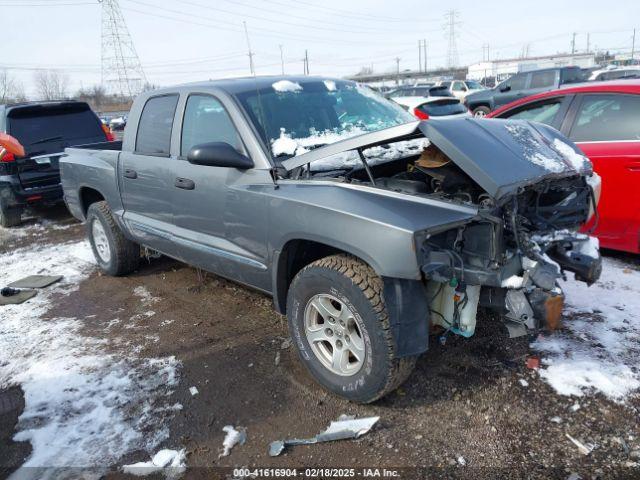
[(464, 413)]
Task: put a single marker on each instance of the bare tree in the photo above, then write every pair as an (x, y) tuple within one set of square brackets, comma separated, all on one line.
[(95, 96), (51, 85), (11, 90)]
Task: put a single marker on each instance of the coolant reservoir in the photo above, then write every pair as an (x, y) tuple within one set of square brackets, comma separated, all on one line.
[(443, 307)]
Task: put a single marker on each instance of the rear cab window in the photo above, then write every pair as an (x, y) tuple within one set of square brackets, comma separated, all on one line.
[(43, 128), (607, 118), (156, 122), (543, 79)]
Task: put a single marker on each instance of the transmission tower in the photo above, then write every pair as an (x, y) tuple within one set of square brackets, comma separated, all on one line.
[(122, 72), (451, 21)]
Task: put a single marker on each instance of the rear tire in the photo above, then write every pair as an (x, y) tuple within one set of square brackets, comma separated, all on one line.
[(10, 217), (116, 255), (480, 112), (335, 305)]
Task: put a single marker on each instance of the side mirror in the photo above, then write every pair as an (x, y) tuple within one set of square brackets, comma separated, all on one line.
[(218, 154), (505, 88)]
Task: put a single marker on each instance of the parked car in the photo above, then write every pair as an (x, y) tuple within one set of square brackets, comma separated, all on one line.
[(407, 96), (462, 88), (614, 73), (44, 129), (435, 107), (118, 123), (325, 196), (603, 119), (521, 85)]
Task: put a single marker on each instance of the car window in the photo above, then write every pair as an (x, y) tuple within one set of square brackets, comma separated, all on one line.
[(607, 118), (206, 120), (543, 79), (473, 85), (458, 87), (518, 82), (544, 112), (156, 121)]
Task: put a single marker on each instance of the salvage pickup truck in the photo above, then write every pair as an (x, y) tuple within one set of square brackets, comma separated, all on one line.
[(367, 227)]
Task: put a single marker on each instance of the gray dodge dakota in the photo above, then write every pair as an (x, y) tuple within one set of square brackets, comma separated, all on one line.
[(367, 227)]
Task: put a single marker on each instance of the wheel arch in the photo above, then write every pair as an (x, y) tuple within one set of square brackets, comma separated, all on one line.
[(297, 253), (88, 196)]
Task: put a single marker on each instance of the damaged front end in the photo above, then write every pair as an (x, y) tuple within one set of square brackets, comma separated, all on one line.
[(497, 262), (532, 190)]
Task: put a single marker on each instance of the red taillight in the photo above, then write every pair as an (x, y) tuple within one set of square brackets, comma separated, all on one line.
[(420, 114), (8, 157), (110, 136)]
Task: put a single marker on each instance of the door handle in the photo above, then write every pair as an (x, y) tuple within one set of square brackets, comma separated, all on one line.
[(185, 183), (634, 167), (128, 173)]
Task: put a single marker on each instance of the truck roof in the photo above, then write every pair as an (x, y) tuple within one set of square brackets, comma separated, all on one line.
[(239, 85)]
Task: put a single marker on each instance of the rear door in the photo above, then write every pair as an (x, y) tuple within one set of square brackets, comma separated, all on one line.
[(45, 130), (146, 175), (607, 129)]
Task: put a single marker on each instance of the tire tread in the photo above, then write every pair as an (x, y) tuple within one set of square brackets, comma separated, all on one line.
[(371, 285)]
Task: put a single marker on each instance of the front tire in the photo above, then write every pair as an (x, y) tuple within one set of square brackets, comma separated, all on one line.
[(481, 112), (340, 326), (116, 255)]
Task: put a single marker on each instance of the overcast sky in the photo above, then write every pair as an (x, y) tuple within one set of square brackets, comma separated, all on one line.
[(186, 40)]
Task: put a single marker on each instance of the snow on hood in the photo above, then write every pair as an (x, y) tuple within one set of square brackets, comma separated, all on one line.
[(85, 405), (286, 86)]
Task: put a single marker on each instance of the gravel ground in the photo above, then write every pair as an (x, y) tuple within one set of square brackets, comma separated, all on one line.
[(471, 409)]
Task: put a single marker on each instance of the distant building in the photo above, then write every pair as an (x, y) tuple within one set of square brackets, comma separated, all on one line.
[(499, 70)]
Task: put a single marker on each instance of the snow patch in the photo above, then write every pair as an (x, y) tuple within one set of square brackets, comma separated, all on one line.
[(145, 296), (232, 438), (172, 462), (598, 349), (532, 148), (84, 406), (286, 86), (514, 281), (331, 85)]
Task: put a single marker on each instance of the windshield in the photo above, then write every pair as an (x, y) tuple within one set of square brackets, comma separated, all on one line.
[(297, 117)]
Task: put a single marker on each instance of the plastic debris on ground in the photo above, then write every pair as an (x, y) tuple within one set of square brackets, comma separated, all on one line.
[(583, 448), (346, 427), (172, 462), (193, 391), (533, 362), (523, 382), (233, 438)]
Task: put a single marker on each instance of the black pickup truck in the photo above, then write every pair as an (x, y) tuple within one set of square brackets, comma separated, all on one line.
[(44, 129)]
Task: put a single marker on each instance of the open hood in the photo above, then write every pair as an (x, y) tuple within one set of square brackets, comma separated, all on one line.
[(499, 155)]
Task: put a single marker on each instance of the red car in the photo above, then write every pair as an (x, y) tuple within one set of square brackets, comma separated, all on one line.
[(603, 119)]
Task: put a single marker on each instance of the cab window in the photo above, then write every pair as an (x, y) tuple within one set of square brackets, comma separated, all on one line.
[(544, 79), (156, 122), (206, 120), (458, 87)]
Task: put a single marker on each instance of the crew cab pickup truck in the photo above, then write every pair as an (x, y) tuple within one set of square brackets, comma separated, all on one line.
[(365, 225)]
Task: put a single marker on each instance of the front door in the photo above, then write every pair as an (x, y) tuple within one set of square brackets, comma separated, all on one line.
[(145, 176), (607, 129), (220, 222)]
